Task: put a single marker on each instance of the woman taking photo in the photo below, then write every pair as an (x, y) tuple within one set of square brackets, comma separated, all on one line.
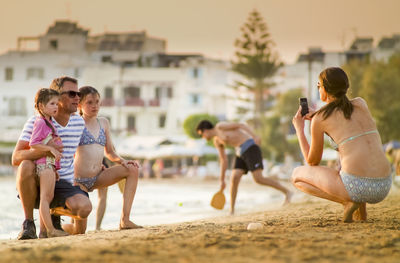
[(365, 172)]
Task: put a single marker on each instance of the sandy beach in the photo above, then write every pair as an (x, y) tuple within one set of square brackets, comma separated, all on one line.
[(310, 231)]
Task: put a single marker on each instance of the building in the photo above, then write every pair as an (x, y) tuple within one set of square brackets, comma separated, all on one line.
[(144, 90)]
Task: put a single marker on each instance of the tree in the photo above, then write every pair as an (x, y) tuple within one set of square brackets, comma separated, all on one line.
[(381, 90), (274, 135), (191, 122), (255, 61), (378, 83), (355, 70)]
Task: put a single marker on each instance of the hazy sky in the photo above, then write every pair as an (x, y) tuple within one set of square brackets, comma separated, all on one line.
[(210, 26)]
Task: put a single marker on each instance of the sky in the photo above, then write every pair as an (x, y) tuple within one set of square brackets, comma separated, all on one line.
[(210, 27)]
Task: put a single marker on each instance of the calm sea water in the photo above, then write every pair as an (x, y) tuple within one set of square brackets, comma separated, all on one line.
[(156, 202)]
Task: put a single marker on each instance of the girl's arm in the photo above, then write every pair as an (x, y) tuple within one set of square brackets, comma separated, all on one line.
[(109, 149)]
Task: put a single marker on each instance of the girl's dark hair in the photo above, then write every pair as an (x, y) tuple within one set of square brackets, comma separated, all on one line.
[(336, 83), (84, 91), (43, 96)]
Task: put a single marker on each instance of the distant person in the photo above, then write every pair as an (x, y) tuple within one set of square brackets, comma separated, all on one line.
[(69, 127), (248, 155), (146, 168), (46, 104), (95, 141), (365, 172)]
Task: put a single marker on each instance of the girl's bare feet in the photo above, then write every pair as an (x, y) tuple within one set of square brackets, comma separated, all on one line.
[(349, 209), (128, 225), (56, 233)]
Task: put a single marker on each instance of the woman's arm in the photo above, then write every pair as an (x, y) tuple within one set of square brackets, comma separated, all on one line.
[(317, 142), (312, 154)]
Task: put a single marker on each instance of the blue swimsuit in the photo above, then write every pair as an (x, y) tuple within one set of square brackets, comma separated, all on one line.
[(86, 139), (364, 189)]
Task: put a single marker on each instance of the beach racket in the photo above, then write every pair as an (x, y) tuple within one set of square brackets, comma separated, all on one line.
[(121, 185), (61, 211), (218, 200)]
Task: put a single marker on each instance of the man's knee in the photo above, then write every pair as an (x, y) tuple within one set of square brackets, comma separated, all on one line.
[(26, 170), (80, 206)]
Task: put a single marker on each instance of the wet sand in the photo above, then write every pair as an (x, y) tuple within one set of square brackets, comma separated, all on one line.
[(311, 231)]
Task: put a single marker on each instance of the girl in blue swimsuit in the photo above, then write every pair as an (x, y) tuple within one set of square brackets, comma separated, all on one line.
[(95, 142), (365, 172)]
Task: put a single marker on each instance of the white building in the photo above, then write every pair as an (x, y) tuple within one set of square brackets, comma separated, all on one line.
[(144, 90), (156, 101)]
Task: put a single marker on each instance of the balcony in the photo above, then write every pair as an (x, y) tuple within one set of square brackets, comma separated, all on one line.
[(154, 103), (109, 102), (134, 102)]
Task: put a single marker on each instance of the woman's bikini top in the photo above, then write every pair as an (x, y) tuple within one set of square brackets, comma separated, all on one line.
[(336, 146), (88, 138)]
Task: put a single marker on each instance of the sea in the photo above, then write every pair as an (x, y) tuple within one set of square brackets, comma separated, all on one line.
[(157, 202)]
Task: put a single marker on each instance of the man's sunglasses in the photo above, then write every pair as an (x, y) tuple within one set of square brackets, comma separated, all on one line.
[(71, 93)]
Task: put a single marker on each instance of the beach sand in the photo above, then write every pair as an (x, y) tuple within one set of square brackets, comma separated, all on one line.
[(311, 231)]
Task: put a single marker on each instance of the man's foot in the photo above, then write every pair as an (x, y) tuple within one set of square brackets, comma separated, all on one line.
[(43, 234), (28, 230), (128, 225), (349, 209), (57, 233), (56, 220), (288, 199)]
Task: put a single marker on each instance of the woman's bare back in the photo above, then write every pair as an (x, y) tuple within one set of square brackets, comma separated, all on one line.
[(362, 156)]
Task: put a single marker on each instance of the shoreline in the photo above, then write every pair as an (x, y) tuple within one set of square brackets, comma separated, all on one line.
[(300, 232)]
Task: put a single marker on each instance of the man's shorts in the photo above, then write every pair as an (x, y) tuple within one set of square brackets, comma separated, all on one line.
[(250, 160), (62, 191)]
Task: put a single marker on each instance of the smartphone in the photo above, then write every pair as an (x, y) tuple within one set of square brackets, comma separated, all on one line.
[(304, 106)]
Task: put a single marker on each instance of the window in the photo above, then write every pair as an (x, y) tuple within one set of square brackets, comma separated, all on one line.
[(54, 44), (77, 73), (108, 93), (34, 73), (17, 106), (131, 123), (158, 92), (161, 121), (169, 92), (194, 99), (9, 74), (106, 59), (164, 92), (132, 92), (195, 73)]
